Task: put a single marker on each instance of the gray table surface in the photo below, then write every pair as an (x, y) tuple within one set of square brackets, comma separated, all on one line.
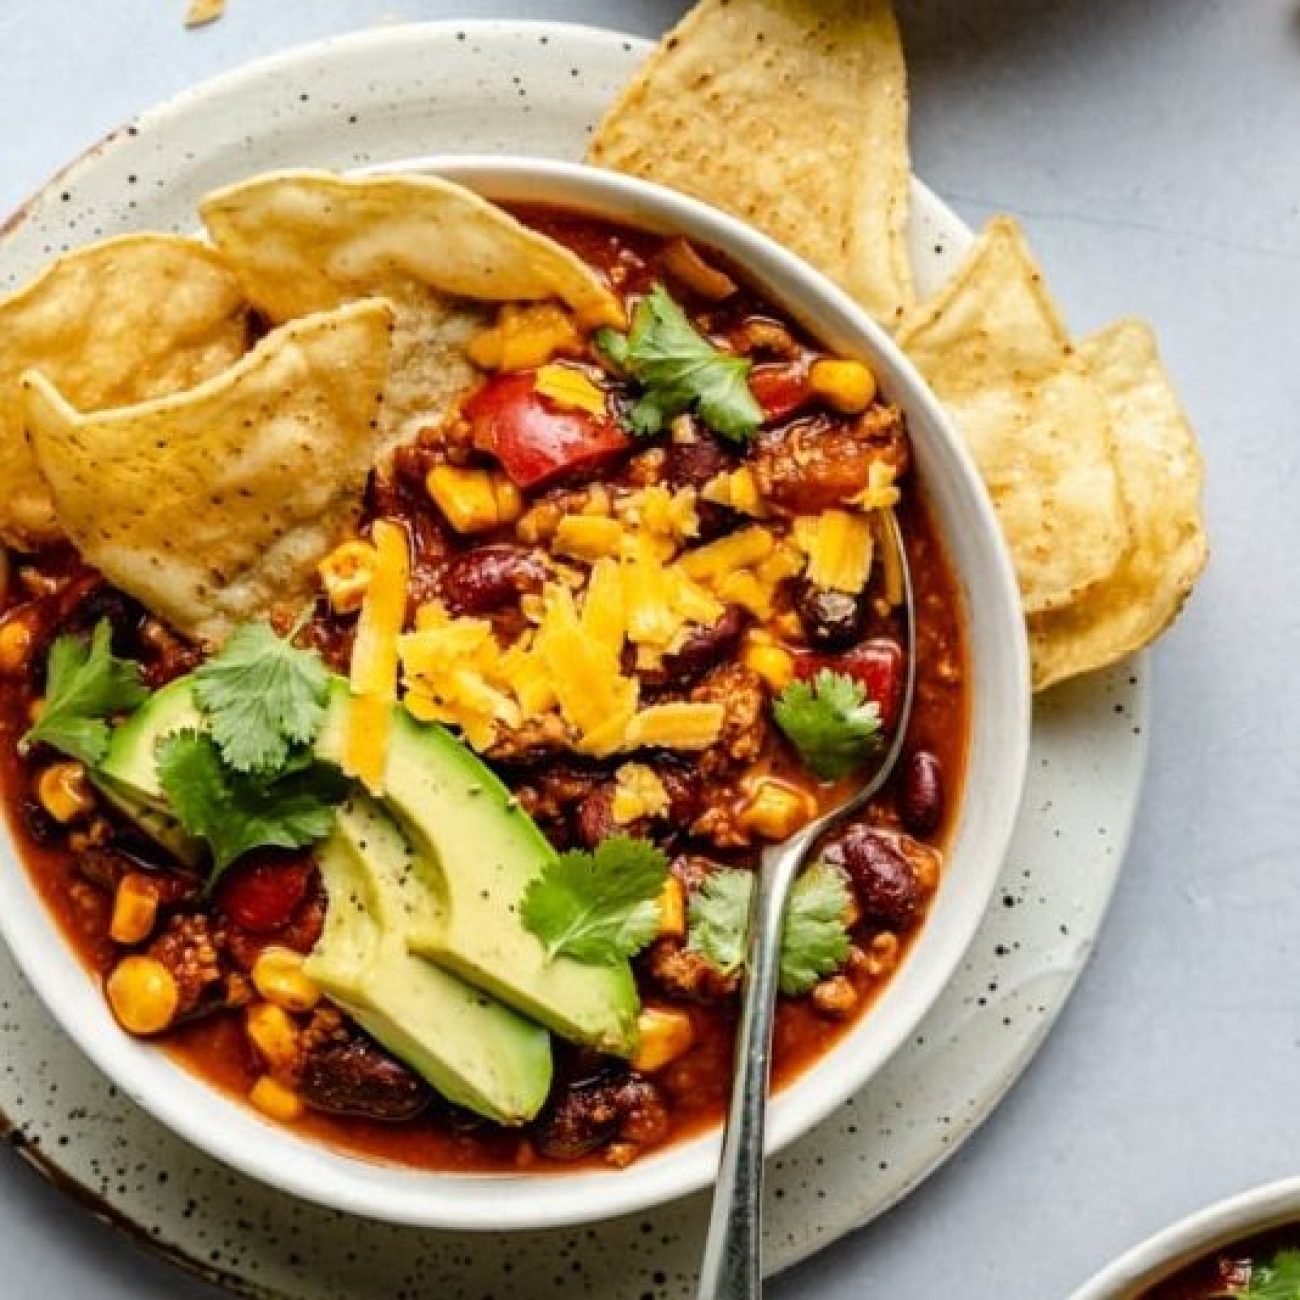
[(1152, 149)]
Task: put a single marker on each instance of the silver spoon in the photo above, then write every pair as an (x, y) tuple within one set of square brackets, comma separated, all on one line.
[(732, 1267)]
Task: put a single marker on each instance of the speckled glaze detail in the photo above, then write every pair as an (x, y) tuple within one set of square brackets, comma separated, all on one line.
[(527, 88)]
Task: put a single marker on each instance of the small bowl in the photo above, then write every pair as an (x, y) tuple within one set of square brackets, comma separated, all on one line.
[(1000, 721), (1158, 1258)]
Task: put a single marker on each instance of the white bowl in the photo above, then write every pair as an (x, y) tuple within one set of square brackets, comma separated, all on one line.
[(1245, 1215), (232, 1132)]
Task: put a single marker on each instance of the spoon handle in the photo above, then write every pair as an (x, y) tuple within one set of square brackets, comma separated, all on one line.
[(732, 1267)]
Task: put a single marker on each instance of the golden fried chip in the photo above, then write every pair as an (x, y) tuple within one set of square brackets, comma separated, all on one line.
[(993, 348), (202, 12), (306, 241), (1161, 475), (214, 505), (111, 324), (791, 114)]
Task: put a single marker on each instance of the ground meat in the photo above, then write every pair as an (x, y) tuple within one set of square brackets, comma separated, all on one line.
[(193, 948), (344, 1072), (626, 1109), (817, 463), (762, 336), (744, 725), (682, 972)]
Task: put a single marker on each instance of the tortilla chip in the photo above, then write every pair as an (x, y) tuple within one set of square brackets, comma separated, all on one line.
[(111, 324), (792, 115), (202, 12), (214, 505), (993, 348), (305, 241), (1161, 476)]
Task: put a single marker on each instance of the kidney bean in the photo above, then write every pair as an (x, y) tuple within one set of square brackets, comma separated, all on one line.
[(487, 577), (702, 650), (357, 1077), (887, 888), (832, 620), (596, 817), (920, 796), (588, 1115), (694, 463)]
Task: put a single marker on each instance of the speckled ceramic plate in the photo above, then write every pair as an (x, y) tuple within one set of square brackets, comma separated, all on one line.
[(529, 88)]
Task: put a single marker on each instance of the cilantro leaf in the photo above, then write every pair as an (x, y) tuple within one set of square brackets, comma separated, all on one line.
[(262, 695), (1279, 1279), (234, 812), (600, 906), (85, 684), (679, 370), (830, 722), (815, 942)]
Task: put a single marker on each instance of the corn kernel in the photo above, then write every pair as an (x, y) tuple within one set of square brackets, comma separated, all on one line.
[(143, 994), (776, 811), (663, 1034), (273, 1034), (272, 1098), (135, 909), (65, 793), (848, 386), (772, 662), (345, 574), (278, 977), (672, 909), (16, 643), (509, 500), (468, 497)]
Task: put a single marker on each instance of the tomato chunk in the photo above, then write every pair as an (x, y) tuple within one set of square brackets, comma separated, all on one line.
[(534, 439), (262, 893), (877, 664), (781, 388)]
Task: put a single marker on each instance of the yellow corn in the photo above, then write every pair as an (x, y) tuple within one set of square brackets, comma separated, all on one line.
[(672, 909), (278, 977), (676, 725), (135, 909), (345, 574), (524, 336), (273, 1034), (16, 643), (848, 386), (143, 994), (588, 537), (663, 1034), (772, 662), (65, 793), (473, 500), (776, 811), (272, 1098)]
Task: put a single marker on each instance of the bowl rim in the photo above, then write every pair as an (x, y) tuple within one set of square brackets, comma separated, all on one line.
[(1159, 1256), (492, 1202)]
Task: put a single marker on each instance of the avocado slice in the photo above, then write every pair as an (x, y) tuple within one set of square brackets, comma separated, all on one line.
[(487, 851), (474, 1051), (482, 851)]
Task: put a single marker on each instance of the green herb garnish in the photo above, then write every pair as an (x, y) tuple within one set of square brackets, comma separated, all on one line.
[(85, 685), (830, 722), (233, 812), (679, 370), (1279, 1279), (815, 942), (601, 906), (262, 696)]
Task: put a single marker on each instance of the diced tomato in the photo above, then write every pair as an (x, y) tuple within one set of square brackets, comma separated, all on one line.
[(262, 893), (781, 388), (534, 439), (877, 664)]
